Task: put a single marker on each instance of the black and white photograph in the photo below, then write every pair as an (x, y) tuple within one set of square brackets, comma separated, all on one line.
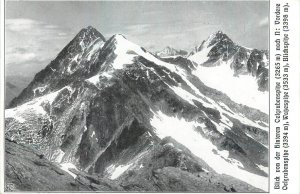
[(136, 96)]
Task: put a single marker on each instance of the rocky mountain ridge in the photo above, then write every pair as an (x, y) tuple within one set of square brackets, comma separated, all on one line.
[(220, 48), (107, 107)]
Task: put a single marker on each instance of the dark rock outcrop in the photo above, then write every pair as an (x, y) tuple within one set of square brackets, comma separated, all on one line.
[(27, 170)]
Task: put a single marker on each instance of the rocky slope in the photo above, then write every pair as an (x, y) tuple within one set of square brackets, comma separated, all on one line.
[(28, 170), (162, 169), (109, 108)]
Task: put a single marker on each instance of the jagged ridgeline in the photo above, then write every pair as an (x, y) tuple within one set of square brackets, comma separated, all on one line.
[(107, 115)]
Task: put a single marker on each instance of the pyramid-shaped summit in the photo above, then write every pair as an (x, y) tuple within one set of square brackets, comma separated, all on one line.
[(89, 33), (71, 63)]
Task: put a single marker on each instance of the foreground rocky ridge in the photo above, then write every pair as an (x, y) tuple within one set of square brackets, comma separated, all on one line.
[(164, 168), (106, 107), (26, 170)]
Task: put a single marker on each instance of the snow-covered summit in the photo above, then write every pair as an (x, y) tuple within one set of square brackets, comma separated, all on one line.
[(218, 36), (240, 69), (90, 33), (171, 52)]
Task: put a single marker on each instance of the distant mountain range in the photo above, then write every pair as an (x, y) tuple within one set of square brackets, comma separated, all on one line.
[(14, 86), (116, 117), (171, 52)]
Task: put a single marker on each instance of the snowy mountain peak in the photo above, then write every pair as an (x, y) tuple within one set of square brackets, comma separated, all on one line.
[(77, 56), (242, 67), (118, 37), (216, 37), (90, 32), (118, 51), (90, 28), (119, 43), (86, 36), (117, 40), (218, 33), (168, 51)]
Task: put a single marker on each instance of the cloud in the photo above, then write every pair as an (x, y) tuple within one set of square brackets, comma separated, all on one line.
[(20, 24), (137, 29), (263, 22), (31, 27), (51, 26), (30, 42), (21, 56)]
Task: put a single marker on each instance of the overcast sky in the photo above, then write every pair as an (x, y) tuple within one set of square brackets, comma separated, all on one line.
[(37, 31)]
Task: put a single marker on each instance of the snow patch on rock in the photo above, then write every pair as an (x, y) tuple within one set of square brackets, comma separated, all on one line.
[(116, 171), (67, 166), (165, 126), (242, 89)]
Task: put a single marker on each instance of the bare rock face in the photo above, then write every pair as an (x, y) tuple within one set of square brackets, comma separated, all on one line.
[(26, 170)]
